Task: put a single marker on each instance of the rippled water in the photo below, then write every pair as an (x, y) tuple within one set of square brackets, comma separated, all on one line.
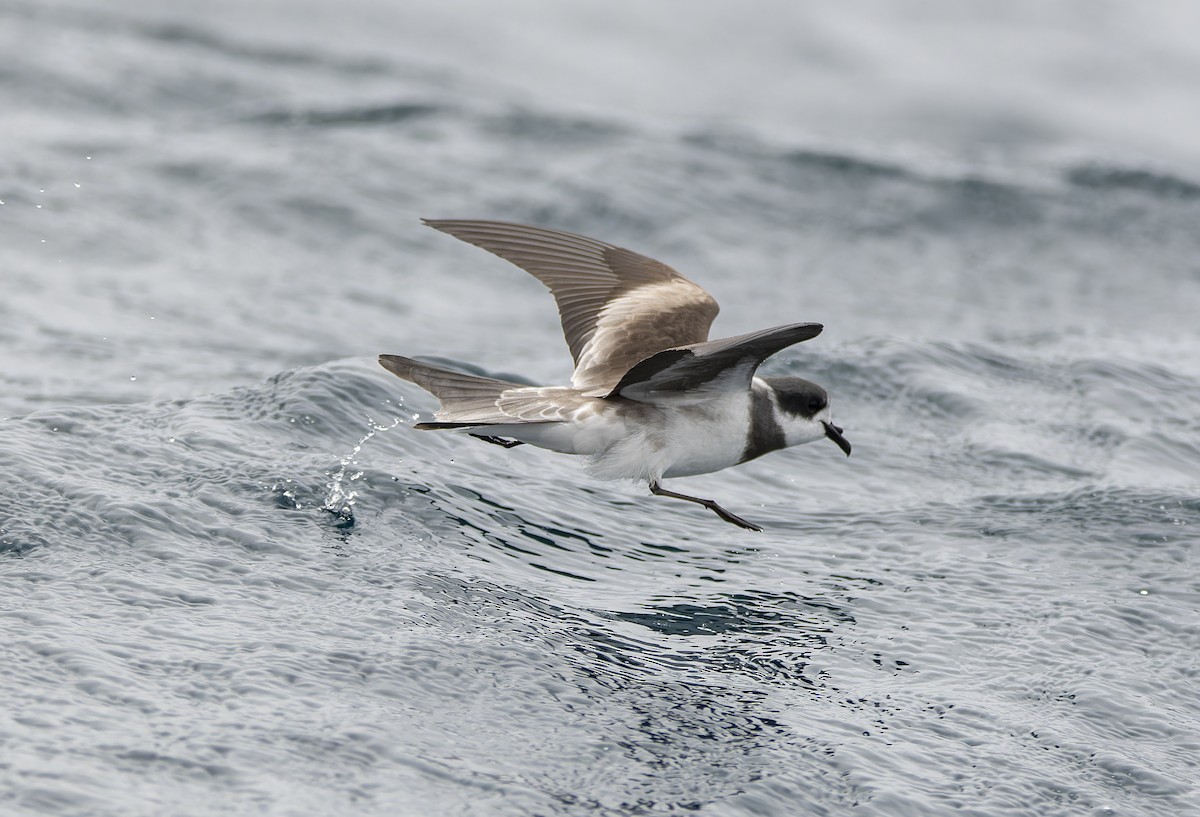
[(235, 582)]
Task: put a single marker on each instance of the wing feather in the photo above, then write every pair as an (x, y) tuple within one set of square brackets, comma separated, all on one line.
[(616, 307), (692, 372)]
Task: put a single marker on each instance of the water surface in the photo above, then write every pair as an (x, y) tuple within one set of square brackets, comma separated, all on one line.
[(235, 581)]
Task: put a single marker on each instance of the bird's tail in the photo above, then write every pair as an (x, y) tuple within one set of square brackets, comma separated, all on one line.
[(467, 400)]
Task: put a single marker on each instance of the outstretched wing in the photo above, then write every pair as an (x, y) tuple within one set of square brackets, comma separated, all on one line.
[(693, 372), (617, 307)]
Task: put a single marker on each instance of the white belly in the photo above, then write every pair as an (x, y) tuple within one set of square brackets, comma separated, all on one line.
[(677, 442), (645, 442), (701, 445), (588, 432)]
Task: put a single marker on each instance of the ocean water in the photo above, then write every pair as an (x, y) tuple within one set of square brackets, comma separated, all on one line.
[(233, 581)]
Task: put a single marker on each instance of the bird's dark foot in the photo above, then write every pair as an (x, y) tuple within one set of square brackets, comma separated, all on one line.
[(733, 519), (487, 438)]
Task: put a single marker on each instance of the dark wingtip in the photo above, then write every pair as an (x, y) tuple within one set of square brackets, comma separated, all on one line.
[(808, 331)]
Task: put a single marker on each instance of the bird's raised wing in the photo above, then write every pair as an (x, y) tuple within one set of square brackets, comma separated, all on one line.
[(617, 307), (693, 372)]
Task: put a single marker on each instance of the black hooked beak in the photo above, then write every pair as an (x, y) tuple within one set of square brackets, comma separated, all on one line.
[(834, 433)]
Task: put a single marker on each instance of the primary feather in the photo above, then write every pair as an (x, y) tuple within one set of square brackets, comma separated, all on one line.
[(616, 306)]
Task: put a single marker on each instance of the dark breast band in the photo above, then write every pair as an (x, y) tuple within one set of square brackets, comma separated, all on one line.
[(765, 434)]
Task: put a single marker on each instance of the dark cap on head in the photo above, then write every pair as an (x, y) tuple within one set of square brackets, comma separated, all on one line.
[(798, 397)]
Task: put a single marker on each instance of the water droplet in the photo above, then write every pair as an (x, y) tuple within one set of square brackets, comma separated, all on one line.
[(133, 377), (77, 184), (340, 501), (38, 206), (1143, 592)]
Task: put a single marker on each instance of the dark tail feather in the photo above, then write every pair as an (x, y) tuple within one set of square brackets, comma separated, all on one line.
[(467, 399)]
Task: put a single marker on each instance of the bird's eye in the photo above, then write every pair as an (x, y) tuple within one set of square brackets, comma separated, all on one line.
[(815, 404)]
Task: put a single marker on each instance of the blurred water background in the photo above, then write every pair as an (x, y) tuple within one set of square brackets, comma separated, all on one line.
[(233, 582)]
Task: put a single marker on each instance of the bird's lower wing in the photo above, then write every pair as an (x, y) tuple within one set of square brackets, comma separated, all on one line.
[(727, 364)]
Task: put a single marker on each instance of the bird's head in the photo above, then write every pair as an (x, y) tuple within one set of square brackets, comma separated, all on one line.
[(804, 412)]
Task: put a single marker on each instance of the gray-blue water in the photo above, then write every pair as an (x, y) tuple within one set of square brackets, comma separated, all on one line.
[(232, 581)]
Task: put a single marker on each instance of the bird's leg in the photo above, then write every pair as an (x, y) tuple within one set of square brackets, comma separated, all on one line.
[(487, 438), (658, 490)]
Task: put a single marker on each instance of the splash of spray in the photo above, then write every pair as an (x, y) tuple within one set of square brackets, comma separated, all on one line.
[(340, 499)]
